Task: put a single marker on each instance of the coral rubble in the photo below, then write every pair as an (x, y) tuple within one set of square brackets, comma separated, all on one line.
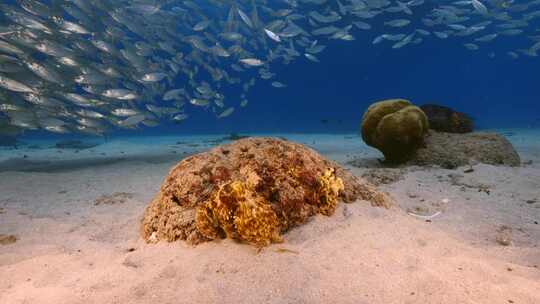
[(252, 190)]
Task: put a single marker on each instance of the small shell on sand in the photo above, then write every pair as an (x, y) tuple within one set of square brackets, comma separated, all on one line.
[(425, 217), (504, 236)]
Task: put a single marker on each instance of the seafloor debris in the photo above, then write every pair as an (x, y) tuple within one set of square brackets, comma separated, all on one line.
[(113, 199), (453, 150), (395, 127), (469, 170), (445, 119), (251, 190), (458, 180), (383, 176), (6, 239), (530, 201), (285, 250), (504, 235), (425, 217)]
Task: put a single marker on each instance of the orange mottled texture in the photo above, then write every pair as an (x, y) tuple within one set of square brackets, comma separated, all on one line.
[(252, 190)]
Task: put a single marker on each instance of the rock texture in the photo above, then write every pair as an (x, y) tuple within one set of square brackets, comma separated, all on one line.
[(445, 119), (395, 127), (452, 150), (252, 190)]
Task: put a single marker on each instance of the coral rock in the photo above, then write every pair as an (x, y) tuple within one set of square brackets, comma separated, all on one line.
[(444, 119), (252, 190), (395, 127), (453, 150)]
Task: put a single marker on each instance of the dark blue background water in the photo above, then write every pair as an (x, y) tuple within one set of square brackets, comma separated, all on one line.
[(497, 92), (332, 95)]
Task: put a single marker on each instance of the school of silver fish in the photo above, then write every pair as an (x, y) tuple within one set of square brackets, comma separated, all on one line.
[(92, 66)]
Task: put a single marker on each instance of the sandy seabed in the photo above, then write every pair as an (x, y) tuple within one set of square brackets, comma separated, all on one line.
[(76, 216)]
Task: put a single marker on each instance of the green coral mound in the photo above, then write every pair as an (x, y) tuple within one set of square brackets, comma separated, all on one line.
[(396, 127)]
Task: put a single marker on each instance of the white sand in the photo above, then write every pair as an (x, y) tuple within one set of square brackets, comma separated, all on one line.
[(73, 251)]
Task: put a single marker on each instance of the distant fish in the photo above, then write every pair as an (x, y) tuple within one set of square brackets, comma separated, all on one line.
[(272, 35), (180, 117), (362, 25), (124, 112), (398, 23), (252, 62), (311, 57), (202, 25), (278, 84), (378, 39), (513, 55), (245, 18), (226, 113), (403, 42), (441, 35), (479, 7), (486, 38), (121, 94), (471, 46), (199, 102), (153, 77), (9, 48), (132, 121), (14, 85)]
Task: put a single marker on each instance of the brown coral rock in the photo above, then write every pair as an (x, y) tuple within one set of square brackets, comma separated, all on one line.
[(450, 150), (251, 190), (445, 119)]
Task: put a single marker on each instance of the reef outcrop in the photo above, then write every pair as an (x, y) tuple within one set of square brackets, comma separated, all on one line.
[(252, 190), (445, 119), (453, 150), (395, 127)]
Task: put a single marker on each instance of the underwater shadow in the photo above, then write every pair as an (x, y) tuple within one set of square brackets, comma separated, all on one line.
[(25, 165)]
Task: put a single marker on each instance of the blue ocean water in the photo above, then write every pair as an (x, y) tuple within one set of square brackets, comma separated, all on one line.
[(331, 96), (497, 92)]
